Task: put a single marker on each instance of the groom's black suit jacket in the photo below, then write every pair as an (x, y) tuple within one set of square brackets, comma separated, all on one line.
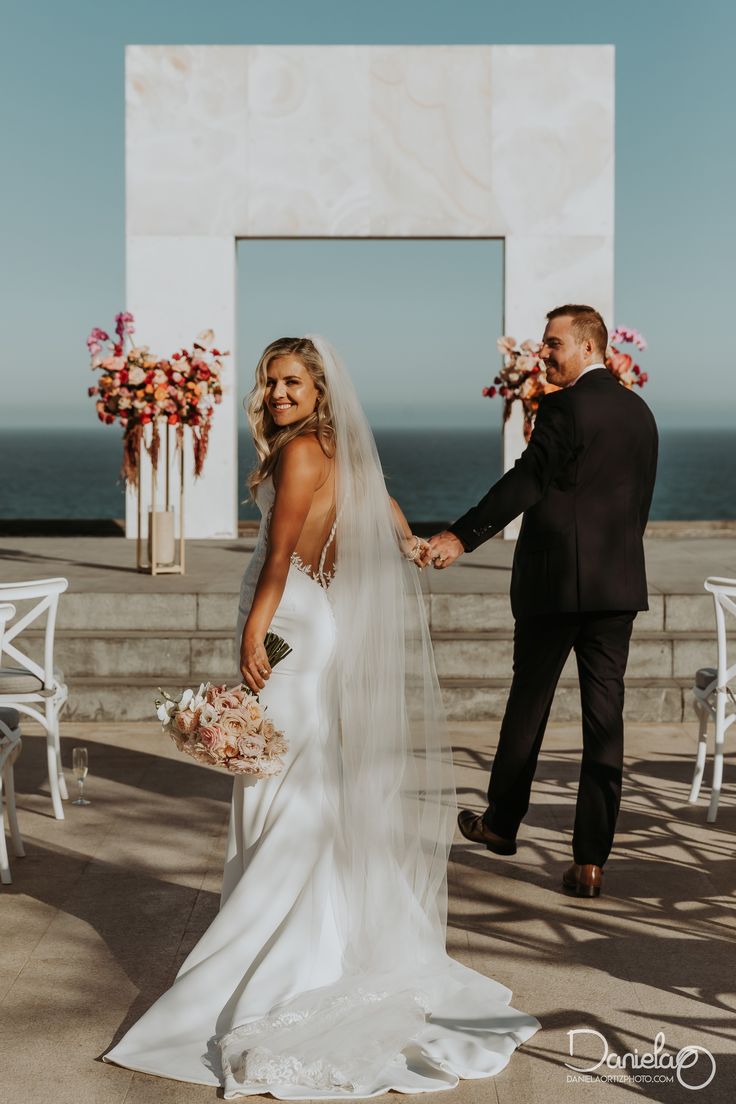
[(584, 484)]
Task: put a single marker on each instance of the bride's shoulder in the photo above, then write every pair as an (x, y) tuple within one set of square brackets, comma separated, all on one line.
[(301, 457)]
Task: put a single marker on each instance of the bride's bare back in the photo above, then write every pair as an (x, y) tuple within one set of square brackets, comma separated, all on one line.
[(316, 548)]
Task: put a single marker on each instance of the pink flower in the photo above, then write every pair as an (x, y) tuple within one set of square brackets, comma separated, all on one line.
[(186, 721), (506, 344), (124, 324), (212, 738), (250, 746), (234, 724)]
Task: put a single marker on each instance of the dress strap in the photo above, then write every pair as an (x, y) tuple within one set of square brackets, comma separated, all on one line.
[(323, 556)]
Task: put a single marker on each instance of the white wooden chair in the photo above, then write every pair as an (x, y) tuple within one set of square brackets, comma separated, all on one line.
[(36, 689), (714, 695), (10, 745)]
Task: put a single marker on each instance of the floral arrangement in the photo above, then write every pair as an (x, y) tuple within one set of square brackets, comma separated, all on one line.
[(523, 375), (622, 364), (138, 389), (227, 728)]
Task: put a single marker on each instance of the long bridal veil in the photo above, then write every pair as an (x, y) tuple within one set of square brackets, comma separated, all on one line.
[(396, 812)]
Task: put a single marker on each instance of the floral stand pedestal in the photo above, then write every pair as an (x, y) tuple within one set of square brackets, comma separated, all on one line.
[(160, 551)]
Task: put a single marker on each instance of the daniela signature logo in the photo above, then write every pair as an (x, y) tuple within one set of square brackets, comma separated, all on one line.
[(687, 1058)]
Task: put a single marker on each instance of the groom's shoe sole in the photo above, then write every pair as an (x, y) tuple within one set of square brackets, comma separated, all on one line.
[(473, 827), (583, 881)]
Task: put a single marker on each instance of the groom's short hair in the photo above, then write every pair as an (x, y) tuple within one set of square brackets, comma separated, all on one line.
[(587, 324)]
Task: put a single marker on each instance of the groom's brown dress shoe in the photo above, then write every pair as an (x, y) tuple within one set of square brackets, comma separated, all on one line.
[(583, 879), (474, 828)]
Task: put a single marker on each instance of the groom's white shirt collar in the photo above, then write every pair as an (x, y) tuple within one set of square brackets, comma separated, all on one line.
[(588, 369)]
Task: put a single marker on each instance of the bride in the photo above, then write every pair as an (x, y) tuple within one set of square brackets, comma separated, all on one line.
[(325, 972)]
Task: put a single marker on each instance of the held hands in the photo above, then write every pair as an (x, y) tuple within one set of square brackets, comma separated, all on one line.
[(444, 549), (416, 549), (254, 665)]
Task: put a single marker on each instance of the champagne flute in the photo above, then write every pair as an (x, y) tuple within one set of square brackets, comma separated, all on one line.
[(80, 767)]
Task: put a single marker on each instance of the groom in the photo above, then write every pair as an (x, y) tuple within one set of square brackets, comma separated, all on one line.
[(584, 484)]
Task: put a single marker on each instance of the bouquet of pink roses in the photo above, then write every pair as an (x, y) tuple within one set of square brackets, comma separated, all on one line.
[(227, 728)]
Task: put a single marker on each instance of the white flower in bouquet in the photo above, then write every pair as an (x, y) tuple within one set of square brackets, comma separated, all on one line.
[(207, 714)]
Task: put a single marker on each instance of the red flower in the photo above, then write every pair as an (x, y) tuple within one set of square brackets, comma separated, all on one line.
[(123, 375), (636, 370), (492, 392), (176, 356), (643, 378), (536, 370), (173, 419), (91, 390)]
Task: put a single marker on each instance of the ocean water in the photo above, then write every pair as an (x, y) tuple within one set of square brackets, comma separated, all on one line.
[(434, 474)]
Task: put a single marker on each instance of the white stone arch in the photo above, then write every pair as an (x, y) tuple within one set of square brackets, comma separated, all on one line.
[(512, 142)]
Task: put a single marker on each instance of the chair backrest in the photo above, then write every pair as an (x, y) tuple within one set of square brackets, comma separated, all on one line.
[(724, 597), (47, 592), (7, 613)]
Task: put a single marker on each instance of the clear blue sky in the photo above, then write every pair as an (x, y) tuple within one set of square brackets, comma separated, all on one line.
[(62, 267)]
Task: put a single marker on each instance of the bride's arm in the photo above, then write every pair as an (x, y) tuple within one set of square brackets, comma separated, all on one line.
[(414, 548), (300, 469)]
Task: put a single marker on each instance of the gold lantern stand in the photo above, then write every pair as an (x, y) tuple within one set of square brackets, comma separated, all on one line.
[(150, 562)]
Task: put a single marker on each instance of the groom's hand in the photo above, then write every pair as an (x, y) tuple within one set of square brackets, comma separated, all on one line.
[(445, 548)]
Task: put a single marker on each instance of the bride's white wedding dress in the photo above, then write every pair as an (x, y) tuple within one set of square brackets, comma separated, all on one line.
[(325, 972), (261, 1003)]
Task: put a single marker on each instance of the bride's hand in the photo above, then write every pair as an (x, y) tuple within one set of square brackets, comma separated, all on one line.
[(416, 549), (254, 665)]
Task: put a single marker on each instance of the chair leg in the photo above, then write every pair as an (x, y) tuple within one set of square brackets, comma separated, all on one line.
[(700, 755), (13, 814), (52, 741), (5, 876), (715, 789)]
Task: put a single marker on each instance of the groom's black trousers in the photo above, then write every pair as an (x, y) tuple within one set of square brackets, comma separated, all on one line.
[(542, 644)]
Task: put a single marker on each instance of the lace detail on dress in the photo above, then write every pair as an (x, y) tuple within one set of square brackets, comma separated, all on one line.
[(323, 578), (262, 1065), (265, 1062)]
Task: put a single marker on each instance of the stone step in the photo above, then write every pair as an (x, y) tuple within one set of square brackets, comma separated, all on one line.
[(187, 654), (446, 612), (647, 700)]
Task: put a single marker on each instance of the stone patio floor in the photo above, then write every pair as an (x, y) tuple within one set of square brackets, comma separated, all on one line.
[(106, 904)]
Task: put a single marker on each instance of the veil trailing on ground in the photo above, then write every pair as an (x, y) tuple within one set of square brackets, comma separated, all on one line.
[(397, 785)]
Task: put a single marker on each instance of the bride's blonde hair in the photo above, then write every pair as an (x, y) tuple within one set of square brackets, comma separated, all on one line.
[(269, 439)]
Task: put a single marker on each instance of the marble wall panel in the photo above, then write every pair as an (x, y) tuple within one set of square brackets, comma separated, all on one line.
[(430, 139), (552, 140), (186, 139), (308, 141)]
